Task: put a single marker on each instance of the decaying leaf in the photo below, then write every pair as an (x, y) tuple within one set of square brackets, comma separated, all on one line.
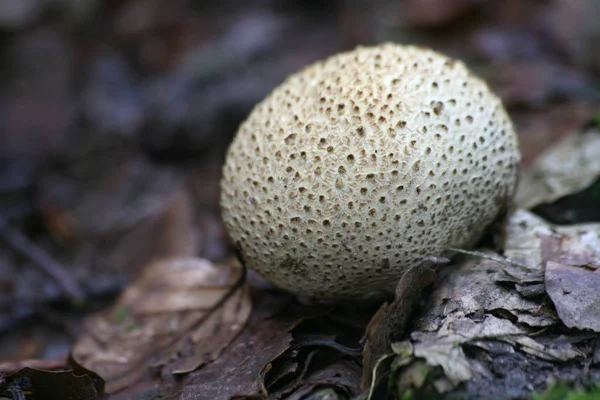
[(577, 245), (241, 369), (391, 319), (497, 304), (531, 242), (326, 351), (540, 129), (575, 292), (289, 351), (237, 372), (469, 289), (570, 257), (179, 315), (567, 168), (419, 381)]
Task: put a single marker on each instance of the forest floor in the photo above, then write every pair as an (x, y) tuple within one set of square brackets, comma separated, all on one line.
[(117, 279)]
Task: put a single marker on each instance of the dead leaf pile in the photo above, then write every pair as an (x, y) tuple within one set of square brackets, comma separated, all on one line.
[(527, 316), (179, 315), (489, 308), (298, 352), (109, 181)]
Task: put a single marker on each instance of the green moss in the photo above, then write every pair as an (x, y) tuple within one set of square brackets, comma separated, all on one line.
[(564, 391)]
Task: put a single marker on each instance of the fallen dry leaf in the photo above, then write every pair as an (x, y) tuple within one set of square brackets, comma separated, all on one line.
[(531, 242), (576, 245), (325, 351), (292, 352), (391, 319), (566, 168), (498, 304), (540, 129), (470, 289), (179, 315), (241, 367), (575, 294), (449, 356)]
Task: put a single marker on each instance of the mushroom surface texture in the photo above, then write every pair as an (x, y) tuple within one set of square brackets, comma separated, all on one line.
[(364, 165)]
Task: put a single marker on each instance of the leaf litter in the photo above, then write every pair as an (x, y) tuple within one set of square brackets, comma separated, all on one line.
[(179, 315), (287, 350), (297, 351), (534, 304), (485, 308), (567, 168)]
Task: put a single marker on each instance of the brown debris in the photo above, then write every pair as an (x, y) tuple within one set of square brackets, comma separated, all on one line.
[(391, 320), (175, 308), (240, 369), (115, 117), (487, 309)]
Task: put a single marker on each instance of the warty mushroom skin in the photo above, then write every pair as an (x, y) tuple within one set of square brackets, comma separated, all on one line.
[(363, 165)]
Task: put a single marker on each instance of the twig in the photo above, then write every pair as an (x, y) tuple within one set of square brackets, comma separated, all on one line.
[(499, 259), (374, 374), (36, 254)]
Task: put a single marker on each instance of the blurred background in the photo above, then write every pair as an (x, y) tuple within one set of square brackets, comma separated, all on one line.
[(115, 116)]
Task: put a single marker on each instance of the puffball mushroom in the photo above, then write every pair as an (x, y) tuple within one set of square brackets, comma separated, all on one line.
[(364, 165)]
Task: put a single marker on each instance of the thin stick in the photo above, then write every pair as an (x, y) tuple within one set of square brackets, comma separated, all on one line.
[(36, 254), (499, 259), (374, 374)]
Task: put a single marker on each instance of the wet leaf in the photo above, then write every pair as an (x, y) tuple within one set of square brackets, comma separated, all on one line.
[(179, 315)]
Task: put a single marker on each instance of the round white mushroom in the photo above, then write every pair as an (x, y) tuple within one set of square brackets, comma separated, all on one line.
[(364, 165)]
